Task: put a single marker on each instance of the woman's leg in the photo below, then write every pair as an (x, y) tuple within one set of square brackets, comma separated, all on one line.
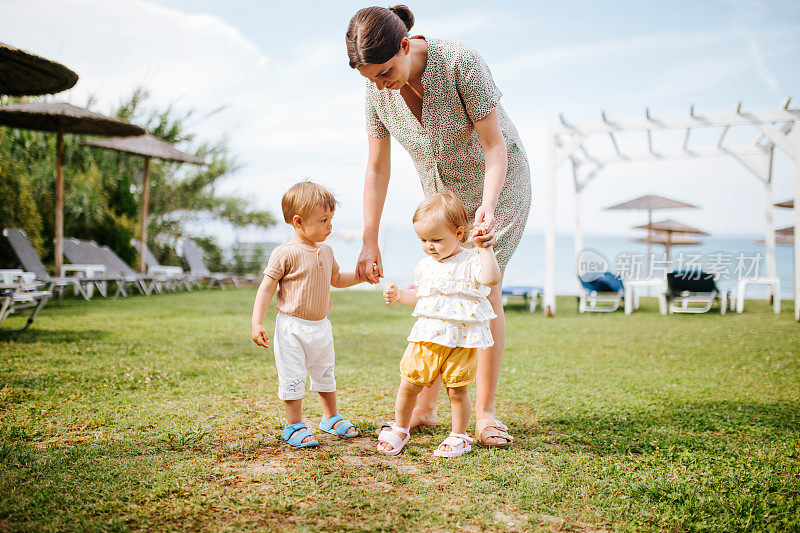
[(425, 412), (489, 361)]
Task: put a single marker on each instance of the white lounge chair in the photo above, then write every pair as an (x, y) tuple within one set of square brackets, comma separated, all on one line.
[(199, 269), (82, 284), (529, 294), (600, 292), (177, 277), (685, 289), (19, 290)]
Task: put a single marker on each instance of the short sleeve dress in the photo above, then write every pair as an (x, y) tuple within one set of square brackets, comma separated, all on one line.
[(458, 91)]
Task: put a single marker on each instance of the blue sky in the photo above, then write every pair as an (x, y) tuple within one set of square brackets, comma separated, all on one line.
[(293, 109)]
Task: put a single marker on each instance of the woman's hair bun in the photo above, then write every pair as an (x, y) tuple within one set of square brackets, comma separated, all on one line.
[(405, 15)]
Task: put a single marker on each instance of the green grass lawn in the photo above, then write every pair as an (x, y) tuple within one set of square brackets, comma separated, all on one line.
[(159, 413)]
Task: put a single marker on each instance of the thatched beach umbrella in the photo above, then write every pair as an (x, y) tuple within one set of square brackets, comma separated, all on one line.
[(669, 232), (668, 239), (672, 226), (62, 118), (783, 236), (26, 74), (650, 203), (147, 146)]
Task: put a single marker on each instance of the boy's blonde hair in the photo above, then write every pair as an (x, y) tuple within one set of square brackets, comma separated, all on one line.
[(303, 197), (444, 208)]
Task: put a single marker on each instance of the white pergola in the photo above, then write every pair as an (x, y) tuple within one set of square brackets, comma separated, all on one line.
[(567, 143)]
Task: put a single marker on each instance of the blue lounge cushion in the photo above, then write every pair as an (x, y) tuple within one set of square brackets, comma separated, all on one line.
[(521, 290), (605, 282)]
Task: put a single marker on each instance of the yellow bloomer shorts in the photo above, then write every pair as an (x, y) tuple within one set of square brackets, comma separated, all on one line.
[(423, 362)]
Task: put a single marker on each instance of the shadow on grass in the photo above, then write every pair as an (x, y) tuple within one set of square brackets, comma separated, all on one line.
[(52, 336), (693, 427)]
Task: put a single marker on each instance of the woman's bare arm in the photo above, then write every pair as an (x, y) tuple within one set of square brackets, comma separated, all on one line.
[(496, 159), (376, 183)]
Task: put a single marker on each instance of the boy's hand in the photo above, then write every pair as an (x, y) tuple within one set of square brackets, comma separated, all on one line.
[(260, 336), (365, 277), (390, 294)]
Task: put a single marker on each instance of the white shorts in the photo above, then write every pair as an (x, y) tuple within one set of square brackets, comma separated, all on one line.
[(303, 347)]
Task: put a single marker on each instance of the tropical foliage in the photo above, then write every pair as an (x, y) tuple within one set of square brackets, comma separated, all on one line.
[(103, 189)]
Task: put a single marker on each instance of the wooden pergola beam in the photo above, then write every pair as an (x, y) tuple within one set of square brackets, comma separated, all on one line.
[(694, 121), (566, 142)]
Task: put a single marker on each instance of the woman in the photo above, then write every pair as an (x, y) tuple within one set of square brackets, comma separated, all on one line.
[(438, 99)]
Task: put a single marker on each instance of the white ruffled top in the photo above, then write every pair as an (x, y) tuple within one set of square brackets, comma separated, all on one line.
[(452, 309)]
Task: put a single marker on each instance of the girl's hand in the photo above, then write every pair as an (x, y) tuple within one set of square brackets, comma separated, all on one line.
[(481, 237), (369, 266), (391, 294), (260, 336), (485, 221)]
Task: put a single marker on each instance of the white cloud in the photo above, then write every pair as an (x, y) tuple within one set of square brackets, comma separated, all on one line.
[(562, 57), (117, 45)]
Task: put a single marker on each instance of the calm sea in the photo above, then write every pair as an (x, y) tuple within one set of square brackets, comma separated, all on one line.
[(730, 257)]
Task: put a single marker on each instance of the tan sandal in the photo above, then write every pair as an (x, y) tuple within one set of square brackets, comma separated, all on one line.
[(500, 432)]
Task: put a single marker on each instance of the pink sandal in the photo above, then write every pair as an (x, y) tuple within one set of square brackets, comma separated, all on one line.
[(387, 436), (458, 442)]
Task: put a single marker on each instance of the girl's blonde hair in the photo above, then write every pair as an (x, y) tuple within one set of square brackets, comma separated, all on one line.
[(444, 208)]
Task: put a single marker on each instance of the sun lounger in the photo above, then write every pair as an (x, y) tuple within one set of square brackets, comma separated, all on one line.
[(82, 284), (146, 284), (604, 288), (199, 270), (82, 253), (177, 278), (529, 294), (694, 287), (18, 291)]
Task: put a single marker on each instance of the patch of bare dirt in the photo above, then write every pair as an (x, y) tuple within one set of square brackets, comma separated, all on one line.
[(559, 524), (255, 470), (250, 404)]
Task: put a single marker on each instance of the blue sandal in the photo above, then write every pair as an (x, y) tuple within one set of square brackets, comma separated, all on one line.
[(295, 433), (326, 425)]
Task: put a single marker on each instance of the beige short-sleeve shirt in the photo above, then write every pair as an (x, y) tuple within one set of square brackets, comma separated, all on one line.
[(458, 91), (304, 279)]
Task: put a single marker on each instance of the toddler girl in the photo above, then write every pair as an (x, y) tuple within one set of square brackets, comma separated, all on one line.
[(453, 314)]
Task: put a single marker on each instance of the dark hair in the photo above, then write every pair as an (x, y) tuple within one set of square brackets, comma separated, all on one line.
[(375, 33)]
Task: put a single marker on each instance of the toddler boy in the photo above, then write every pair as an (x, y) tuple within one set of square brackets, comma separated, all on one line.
[(302, 271)]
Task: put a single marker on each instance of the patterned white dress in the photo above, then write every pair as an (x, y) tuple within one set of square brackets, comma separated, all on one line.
[(452, 309), (458, 91)]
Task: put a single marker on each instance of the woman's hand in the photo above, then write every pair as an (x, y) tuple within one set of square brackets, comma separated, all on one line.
[(370, 266), (484, 221)]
